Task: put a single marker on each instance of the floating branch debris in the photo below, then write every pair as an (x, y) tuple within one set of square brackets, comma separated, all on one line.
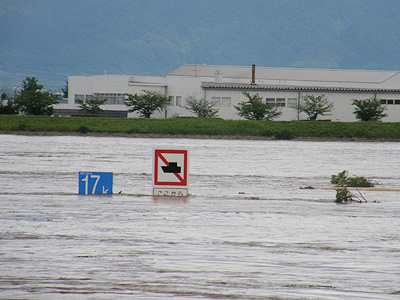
[(343, 195), (343, 180)]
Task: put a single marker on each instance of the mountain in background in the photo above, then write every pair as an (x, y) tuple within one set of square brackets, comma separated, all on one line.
[(52, 39)]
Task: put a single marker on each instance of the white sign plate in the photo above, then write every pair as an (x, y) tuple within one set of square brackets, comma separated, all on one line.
[(170, 192), (170, 170)]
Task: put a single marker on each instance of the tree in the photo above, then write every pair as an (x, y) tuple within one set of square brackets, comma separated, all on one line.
[(9, 109), (147, 103), (92, 106), (201, 108), (31, 84), (255, 109), (315, 106), (65, 90), (368, 109), (35, 101)]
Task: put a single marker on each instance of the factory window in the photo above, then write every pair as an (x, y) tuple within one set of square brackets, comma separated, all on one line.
[(221, 101), (280, 102), (397, 101), (216, 101), (79, 97), (292, 102), (179, 101), (270, 101), (383, 101), (111, 98), (171, 100), (390, 101)]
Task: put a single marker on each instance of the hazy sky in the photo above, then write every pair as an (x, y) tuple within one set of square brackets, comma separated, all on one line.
[(51, 39)]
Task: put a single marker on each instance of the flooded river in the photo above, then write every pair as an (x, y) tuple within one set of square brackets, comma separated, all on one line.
[(247, 230)]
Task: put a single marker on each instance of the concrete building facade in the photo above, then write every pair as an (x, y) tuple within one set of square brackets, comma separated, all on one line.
[(224, 86)]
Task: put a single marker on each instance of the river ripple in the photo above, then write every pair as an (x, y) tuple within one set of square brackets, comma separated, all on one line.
[(246, 232)]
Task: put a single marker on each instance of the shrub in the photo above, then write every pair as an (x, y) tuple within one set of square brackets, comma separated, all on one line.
[(284, 135), (368, 110), (91, 106), (201, 108), (207, 126), (315, 106), (268, 133), (147, 104), (23, 127), (83, 129), (256, 109)]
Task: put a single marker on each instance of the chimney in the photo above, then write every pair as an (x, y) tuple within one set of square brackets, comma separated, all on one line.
[(253, 74)]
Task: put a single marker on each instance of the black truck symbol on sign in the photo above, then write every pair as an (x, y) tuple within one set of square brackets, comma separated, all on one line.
[(171, 168)]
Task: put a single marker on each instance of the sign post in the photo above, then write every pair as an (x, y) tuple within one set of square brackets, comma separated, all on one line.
[(170, 172), (95, 183)]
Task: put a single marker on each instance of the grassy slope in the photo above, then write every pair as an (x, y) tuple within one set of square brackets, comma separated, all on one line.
[(197, 126)]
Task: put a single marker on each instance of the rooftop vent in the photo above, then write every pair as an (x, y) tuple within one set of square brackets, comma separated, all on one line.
[(218, 76)]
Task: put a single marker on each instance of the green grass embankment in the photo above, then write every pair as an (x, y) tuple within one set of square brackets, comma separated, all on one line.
[(199, 126)]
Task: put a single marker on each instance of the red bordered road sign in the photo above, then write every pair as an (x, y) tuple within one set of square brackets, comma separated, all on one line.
[(170, 168)]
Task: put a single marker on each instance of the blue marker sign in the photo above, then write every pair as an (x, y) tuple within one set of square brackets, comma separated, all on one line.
[(95, 183)]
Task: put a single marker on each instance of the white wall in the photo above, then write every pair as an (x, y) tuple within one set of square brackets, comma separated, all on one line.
[(184, 86), (342, 111), (113, 84), (393, 110)]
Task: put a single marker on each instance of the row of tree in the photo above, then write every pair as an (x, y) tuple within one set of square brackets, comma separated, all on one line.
[(33, 100), (255, 108), (364, 110)]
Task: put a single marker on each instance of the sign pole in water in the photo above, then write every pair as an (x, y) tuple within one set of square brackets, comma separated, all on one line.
[(170, 172), (95, 183)]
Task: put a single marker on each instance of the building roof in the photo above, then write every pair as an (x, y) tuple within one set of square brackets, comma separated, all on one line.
[(333, 76), (233, 86)]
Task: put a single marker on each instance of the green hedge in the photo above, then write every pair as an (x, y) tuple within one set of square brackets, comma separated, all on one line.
[(204, 126)]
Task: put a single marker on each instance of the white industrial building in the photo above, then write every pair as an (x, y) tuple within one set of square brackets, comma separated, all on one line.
[(224, 85)]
